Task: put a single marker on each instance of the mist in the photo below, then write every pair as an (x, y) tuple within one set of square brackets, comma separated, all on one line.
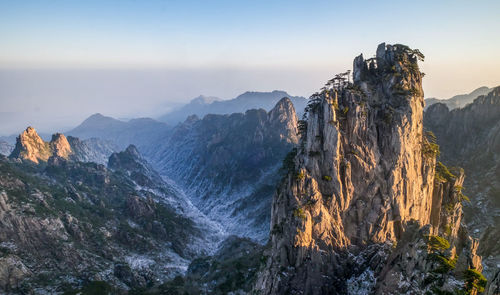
[(58, 99)]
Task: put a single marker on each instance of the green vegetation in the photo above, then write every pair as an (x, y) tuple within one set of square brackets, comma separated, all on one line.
[(289, 161), (445, 264), (300, 175), (412, 53), (474, 280), (414, 92), (461, 197), (447, 230), (399, 90), (437, 243), (413, 67), (302, 127), (313, 104), (442, 173), (430, 148), (299, 213), (327, 178)]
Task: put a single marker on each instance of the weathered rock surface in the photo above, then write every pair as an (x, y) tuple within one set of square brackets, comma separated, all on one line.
[(469, 137), (494, 284), (229, 164), (60, 146), (94, 150), (31, 147), (65, 223), (363, 201)]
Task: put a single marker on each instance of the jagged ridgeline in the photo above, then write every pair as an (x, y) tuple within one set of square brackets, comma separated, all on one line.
[(365, 207)]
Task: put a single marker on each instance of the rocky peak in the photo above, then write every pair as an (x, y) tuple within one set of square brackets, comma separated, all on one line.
[(191, 119), (203, 100), (284, 117), (127, 160), (30, 146), (363, 178), (60, 146)]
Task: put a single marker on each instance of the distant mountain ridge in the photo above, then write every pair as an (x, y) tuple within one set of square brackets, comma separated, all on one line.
[(458, 101), (229, 164), (140, 132), (204, 105), (469, 137)]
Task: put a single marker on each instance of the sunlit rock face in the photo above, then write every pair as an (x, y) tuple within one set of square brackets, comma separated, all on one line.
[(60, 146), (361, 201), (31, 147)]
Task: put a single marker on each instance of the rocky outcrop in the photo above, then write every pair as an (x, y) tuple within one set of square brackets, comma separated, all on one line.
[(362, 200), (229, 164), (469, 137), (60, 146), (68, 223), (31, 147)]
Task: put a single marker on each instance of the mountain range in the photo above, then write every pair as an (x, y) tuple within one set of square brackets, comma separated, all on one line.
[(470, 137), (459, 101), (204, 105), (242, 196)]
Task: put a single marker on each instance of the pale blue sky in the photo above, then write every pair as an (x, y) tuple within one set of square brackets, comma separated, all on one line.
[(232, 45)]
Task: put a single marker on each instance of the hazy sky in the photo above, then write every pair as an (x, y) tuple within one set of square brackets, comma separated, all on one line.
[(61, 61)]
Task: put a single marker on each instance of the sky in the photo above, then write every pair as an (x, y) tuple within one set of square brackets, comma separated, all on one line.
[(61, 61)]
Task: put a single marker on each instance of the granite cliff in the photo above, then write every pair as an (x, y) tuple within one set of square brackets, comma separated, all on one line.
[(365, 207), (469, 137)]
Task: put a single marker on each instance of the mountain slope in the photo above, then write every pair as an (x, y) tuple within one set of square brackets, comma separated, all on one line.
[(229, 164), (363, 210), (143, 132), (202, 106), (470, 137), (458, 101), (67, 223), (5, 148)]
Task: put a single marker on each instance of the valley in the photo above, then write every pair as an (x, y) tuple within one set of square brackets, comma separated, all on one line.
[(347, 194)]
